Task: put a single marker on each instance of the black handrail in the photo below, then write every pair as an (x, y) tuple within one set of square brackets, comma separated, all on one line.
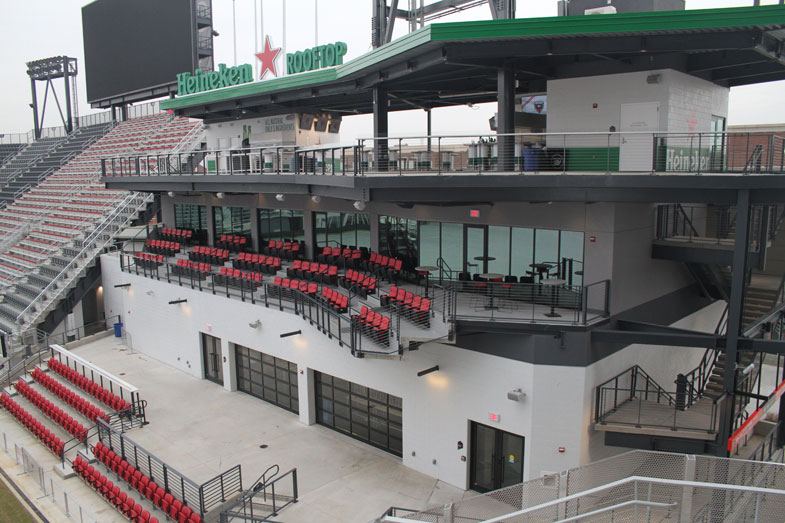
[(243, 508), (633, 376), (698, 378)]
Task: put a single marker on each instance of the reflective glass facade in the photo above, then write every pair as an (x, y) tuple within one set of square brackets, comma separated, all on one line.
[(281, 225), (469, 247), (232, 220), (335, 229)]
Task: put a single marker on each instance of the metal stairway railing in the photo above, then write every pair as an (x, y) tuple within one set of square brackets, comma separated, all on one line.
[(91, 247)]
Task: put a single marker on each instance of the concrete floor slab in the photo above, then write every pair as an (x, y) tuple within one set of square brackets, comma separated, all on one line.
[(201, 429)]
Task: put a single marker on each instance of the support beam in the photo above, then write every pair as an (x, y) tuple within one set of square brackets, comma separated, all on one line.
[(734, 320), (381, 155), (34, 105), (505, 120)]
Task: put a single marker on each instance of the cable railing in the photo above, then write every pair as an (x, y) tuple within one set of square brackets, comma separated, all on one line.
[(515, 153), (552, 301), (340, 326)]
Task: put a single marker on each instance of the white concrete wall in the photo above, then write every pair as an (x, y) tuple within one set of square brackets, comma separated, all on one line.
[(437, 408), (593, 104), (272, 130)]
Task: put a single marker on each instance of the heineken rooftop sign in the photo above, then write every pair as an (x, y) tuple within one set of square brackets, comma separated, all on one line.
[(315, 58), (223, 77)]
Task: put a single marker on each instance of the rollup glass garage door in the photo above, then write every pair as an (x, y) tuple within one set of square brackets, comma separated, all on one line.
[(267, 377), (366, 414)]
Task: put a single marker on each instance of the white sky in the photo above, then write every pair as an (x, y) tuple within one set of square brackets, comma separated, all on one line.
[(36, 29)]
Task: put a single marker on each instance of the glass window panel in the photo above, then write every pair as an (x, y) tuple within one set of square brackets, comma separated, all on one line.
[(269, 394), (359, 431), (429, 243), (572, 249), (395, 401), (359, 389), (396, 445), (452, 246), (499, 248), (363, 231), (340, 384), (333, 228), (348, 234), (379, 438), (341, 395), (522, 251), (297, 226), (546, 246), (320, 228), (342, 424)]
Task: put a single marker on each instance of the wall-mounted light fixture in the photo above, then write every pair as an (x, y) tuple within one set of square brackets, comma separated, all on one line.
[(427, 371), (316, 198), (170, 194), (359, 205), (516, 395), (255, 324), (122, 285), (179, 300), (220, 195), (293, 333), (280, 197)]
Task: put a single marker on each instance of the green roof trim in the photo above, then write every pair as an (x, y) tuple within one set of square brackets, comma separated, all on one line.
[(625, 23)]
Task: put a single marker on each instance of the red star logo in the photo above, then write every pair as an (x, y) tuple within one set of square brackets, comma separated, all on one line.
[(267, 57)]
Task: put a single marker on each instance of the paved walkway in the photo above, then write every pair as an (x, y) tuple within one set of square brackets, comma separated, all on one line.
[(201, 429)]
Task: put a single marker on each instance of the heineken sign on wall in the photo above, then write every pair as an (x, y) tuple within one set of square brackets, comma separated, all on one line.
[(223, 77), (316, 57)]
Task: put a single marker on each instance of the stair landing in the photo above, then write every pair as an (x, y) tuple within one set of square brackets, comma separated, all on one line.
[(639, 416)]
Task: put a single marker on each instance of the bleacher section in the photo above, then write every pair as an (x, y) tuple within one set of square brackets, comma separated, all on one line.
[(9, 150), (44, 230), (24, 160)]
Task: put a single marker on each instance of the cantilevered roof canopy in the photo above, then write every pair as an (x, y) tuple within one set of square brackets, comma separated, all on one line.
[(456, 63)]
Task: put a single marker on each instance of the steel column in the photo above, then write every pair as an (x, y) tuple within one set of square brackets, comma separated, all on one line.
[(505, 119), (735, 307), (35, 110), (381, 155)]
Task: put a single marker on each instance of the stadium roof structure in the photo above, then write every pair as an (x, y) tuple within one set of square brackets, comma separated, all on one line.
[(457, 63)]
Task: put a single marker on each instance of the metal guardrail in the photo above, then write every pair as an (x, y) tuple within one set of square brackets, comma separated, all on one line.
[(633, 398), (528, 302), (704, 488), (214, 492), (328, 320), (157, 470), (264, 501), (584, 153)]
